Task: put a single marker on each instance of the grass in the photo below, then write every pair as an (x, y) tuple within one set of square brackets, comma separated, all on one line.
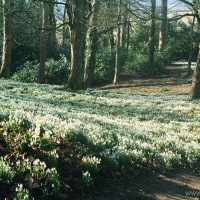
[(52, 140)]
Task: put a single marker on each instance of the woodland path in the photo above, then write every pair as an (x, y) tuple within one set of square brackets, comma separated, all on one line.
[(182, 185), (173, 81)]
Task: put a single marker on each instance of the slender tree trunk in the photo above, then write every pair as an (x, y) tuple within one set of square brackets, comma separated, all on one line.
[(152, 38), (7, 39), (189, 69), (76, 77), (128, 37), (195, 91), (124, 27), (112, 45), (52, 41), (163, 27), (64, 28), (124, 36), (43, 43), (92, 41), (128, 30), (118, 44)]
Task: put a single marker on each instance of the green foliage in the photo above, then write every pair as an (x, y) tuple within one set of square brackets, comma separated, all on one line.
[(27, 73), (91, 164), (104, 69), (22, 193), (6, 172), (88, 181), (162, 60), (137, 63), (179, 41), (56, 72)]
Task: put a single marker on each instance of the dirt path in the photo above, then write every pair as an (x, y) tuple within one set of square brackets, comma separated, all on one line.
[(173, 81), (153, 185)]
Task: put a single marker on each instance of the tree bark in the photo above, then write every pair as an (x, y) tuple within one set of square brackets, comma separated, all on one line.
[(64, 28), (7, 38), (152, 38), (92, 41), (77, 29), (195, 91), (112, 45), (118, 44), (52, 41), (43, 43), (125, 32), (189, 69), (163, 27)]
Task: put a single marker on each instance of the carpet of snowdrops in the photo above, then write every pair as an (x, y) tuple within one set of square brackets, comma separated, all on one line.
[(51, 137)]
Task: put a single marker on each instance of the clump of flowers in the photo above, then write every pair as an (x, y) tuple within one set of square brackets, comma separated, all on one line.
[(88, 181), (91, 164), (6, 172), (22, 193)]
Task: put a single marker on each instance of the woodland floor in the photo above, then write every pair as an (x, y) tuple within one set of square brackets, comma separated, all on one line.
[(177, 185), (173, 81)]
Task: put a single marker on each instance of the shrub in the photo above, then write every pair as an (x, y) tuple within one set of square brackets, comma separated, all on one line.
[(27, 72), (56, 72), (138, 63), (104, 69)]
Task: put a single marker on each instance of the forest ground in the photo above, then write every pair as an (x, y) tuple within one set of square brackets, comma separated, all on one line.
[(173, 80), (177, 185)]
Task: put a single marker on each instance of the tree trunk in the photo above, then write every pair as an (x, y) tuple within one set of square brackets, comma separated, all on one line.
[(195, 91), (128, 37), (77, 29), (163, 27), (64, 28), (92, 41), (152, 38), (128, 29), (43, 43), (118, 44), (7, 39), (189, 69), (112, 45), (124, 34), (52, 41)]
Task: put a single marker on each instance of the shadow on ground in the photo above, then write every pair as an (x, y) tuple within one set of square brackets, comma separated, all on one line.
[(150, 186)]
